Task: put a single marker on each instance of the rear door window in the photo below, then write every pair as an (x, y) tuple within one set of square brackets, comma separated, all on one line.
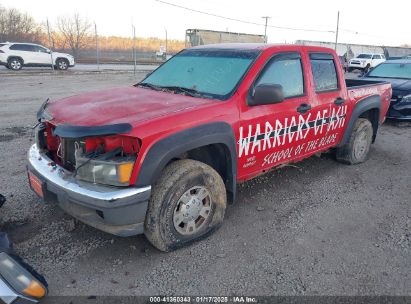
[(324, 72), (22, 47)]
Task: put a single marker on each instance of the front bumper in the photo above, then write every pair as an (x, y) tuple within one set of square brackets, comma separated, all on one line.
[(400, 111), (9, 296), (356, 66), (119, 211)]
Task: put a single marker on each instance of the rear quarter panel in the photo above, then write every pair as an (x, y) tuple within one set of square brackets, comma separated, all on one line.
[(384, 90)]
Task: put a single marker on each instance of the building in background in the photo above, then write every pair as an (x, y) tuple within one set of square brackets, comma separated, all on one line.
[(195, 37), (349, 50)]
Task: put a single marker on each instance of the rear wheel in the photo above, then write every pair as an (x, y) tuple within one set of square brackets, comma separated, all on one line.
[(357, 149), (15, 64), (188, 203)]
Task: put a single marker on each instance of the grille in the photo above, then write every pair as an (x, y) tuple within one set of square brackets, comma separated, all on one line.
[(67, 152)]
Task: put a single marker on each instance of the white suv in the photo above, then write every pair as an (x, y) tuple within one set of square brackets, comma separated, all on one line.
[(16, 55), (365, 61)]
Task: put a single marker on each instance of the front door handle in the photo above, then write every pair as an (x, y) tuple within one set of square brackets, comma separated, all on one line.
[(303, 108), (339, 101)]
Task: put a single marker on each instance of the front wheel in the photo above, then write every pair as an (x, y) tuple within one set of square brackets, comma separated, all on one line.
[(188, 203), (357, 149), (62, 64)]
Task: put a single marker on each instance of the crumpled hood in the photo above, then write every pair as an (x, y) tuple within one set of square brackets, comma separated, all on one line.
[(396, 83), (120, 105)]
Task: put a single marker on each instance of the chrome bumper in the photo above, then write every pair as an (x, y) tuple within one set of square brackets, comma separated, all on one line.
[(120, 211)]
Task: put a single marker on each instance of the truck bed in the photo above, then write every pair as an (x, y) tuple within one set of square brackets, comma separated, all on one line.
[(359, 83), (359, 89)]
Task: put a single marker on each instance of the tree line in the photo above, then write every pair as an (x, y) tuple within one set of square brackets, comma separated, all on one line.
[(74, 33)]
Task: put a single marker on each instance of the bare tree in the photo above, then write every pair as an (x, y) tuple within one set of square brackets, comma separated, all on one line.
[(18, 26), (75, 30)]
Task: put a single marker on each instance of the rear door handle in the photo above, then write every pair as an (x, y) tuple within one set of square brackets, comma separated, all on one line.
[(339, 101), (303, 108)]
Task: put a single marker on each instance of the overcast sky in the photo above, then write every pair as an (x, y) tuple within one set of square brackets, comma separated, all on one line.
[(377, 22)]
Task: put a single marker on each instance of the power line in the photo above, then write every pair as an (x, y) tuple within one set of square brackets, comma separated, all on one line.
[(242, 21)]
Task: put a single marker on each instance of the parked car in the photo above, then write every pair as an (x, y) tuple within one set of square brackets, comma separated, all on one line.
[(16, 55), (365, 61), (19, 282), (164, 157), (398, 73)]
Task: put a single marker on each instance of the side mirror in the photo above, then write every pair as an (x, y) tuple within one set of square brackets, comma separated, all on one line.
[(264, 94), (48, 51)]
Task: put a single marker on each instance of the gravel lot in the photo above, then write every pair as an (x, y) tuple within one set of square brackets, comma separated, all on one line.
[(320, 228)]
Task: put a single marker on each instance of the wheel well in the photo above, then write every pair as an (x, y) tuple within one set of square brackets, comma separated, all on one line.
[(18, 57), (216, 156), (373, 115), (61, 58)]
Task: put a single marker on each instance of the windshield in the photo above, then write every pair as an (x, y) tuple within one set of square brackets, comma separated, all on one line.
[(392, 70), (366, 56), (211, 73)]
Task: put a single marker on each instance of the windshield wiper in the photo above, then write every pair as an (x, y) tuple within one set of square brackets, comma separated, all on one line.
[(389, 77), (176, 89), (188, 91), (148, 85)]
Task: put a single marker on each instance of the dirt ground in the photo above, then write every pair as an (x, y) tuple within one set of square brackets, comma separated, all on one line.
[(321, 228)]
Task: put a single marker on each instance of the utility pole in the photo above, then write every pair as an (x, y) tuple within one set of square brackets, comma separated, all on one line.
[(97, 52), (51, 52), (134, 50), (166, 43), (265, 28), (336, 33)]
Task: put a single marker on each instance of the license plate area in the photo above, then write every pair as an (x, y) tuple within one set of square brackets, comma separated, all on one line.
[(36, 184)]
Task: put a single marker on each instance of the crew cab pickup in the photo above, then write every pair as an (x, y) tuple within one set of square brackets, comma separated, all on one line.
[(163, 157)]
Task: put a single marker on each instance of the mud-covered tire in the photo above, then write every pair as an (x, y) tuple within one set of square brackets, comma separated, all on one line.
[(357, 149), (176, 180)]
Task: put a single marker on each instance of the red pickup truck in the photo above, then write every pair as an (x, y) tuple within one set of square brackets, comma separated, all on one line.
[(163, 157)]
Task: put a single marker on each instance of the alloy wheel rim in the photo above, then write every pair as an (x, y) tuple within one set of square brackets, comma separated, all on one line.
[(192, 210), (15, 64), (361, 144), (62, 64)]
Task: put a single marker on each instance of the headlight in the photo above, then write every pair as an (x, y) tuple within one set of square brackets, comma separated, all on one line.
[(114, 172), (406, 98), (21, 280)]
